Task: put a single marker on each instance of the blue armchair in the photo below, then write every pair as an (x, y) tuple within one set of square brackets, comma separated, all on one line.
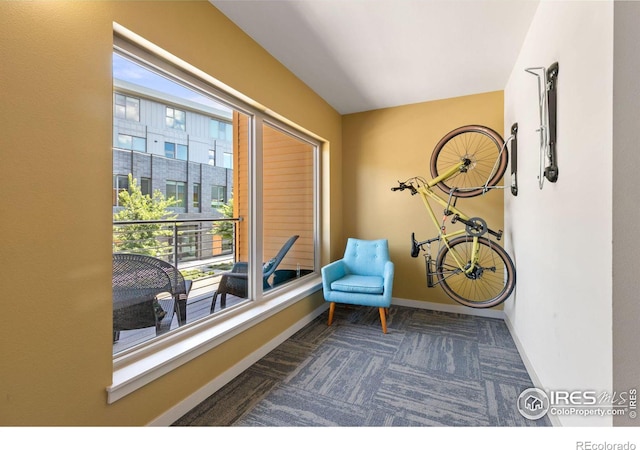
[(364, 276)]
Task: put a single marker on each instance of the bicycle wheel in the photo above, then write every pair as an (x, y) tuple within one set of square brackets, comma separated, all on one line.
[(483, 147), (488, 285)]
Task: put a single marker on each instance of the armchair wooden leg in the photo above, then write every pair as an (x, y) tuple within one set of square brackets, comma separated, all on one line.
[(332, 308), (383, 319)]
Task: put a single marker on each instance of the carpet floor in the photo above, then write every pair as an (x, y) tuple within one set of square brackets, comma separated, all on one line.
[(431, 369)]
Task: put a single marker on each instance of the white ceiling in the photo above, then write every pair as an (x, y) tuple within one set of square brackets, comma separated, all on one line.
[(361, 55)]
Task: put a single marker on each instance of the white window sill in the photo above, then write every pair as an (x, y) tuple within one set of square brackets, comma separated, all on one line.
[(136, 369)]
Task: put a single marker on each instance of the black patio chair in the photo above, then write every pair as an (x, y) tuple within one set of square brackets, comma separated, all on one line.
[(138, 280), (235, 281)]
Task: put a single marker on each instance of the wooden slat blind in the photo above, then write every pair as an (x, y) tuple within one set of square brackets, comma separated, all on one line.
[(288, 195)]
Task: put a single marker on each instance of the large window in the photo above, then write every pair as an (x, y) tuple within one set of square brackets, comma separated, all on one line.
[(249, 185)]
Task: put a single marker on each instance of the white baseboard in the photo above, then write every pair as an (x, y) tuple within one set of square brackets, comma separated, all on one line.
[(456, 309), (555, 421), (186, 405)]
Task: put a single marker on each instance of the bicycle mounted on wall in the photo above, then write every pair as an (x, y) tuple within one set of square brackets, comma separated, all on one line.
[(471, 268)]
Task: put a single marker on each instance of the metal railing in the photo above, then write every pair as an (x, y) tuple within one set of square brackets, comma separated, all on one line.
[(192, 245)]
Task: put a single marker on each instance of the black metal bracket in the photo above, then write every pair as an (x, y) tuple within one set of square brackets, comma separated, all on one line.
[(551, 171), (548, 108), (514, 159)]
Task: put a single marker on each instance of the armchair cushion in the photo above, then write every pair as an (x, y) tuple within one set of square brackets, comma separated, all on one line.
[(362, 284)]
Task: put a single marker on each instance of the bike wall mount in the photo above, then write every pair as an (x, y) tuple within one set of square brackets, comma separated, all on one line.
[(514, 159), (547, 108)]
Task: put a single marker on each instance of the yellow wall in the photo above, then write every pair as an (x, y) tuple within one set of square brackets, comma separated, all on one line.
[(55, 80), (383, 146), (55, 144)]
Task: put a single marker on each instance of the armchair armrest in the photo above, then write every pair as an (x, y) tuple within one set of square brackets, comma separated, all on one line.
[(332, 272), (389, 269)]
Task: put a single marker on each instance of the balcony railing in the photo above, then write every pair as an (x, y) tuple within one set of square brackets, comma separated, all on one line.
[(182, 242), (202, 249)]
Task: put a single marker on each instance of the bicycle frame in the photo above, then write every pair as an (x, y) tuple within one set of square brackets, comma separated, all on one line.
[(427, 193)]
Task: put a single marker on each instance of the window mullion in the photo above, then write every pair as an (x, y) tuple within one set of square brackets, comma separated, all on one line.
[(256, 223)]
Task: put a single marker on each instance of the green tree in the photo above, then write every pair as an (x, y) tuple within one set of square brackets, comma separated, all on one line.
[(225, 229), (145, 239)]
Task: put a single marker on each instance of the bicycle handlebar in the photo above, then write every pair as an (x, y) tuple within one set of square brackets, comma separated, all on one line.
[(402, 185)]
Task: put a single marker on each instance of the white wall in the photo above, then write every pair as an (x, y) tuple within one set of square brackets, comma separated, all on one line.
[(626, 214), (560, 236)]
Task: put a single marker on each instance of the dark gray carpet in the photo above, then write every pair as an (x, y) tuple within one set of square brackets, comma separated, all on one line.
[(431, 369)]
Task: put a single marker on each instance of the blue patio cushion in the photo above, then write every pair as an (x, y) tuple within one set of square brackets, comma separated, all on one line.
[(362, 284)]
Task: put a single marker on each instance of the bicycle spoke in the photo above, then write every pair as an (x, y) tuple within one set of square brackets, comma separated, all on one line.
[(486, 283), (482, 147)]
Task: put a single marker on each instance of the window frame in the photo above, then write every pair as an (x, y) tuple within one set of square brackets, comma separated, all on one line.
[(133, 139), (140, 365), (196, 196), (117, 177), (214, 203), (181, 125), (180, 197), (126, 114)]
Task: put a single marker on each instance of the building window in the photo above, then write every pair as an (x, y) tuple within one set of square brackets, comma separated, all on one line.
[(228, 161), (128, 142), (212, 157), (176, 151), (176, 119), (145, 186), (120, 183), (126, 107), (177, 190), (220, 130), (218, 196), (196, 196)]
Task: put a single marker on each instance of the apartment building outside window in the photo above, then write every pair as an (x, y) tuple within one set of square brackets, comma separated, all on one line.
[(129, 142), (177, 190), (145, 186), (120, 183), (176, 151), (218, 196), (196, 196), (221, 130), (227, 161), (176, 119), (127, 107)]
